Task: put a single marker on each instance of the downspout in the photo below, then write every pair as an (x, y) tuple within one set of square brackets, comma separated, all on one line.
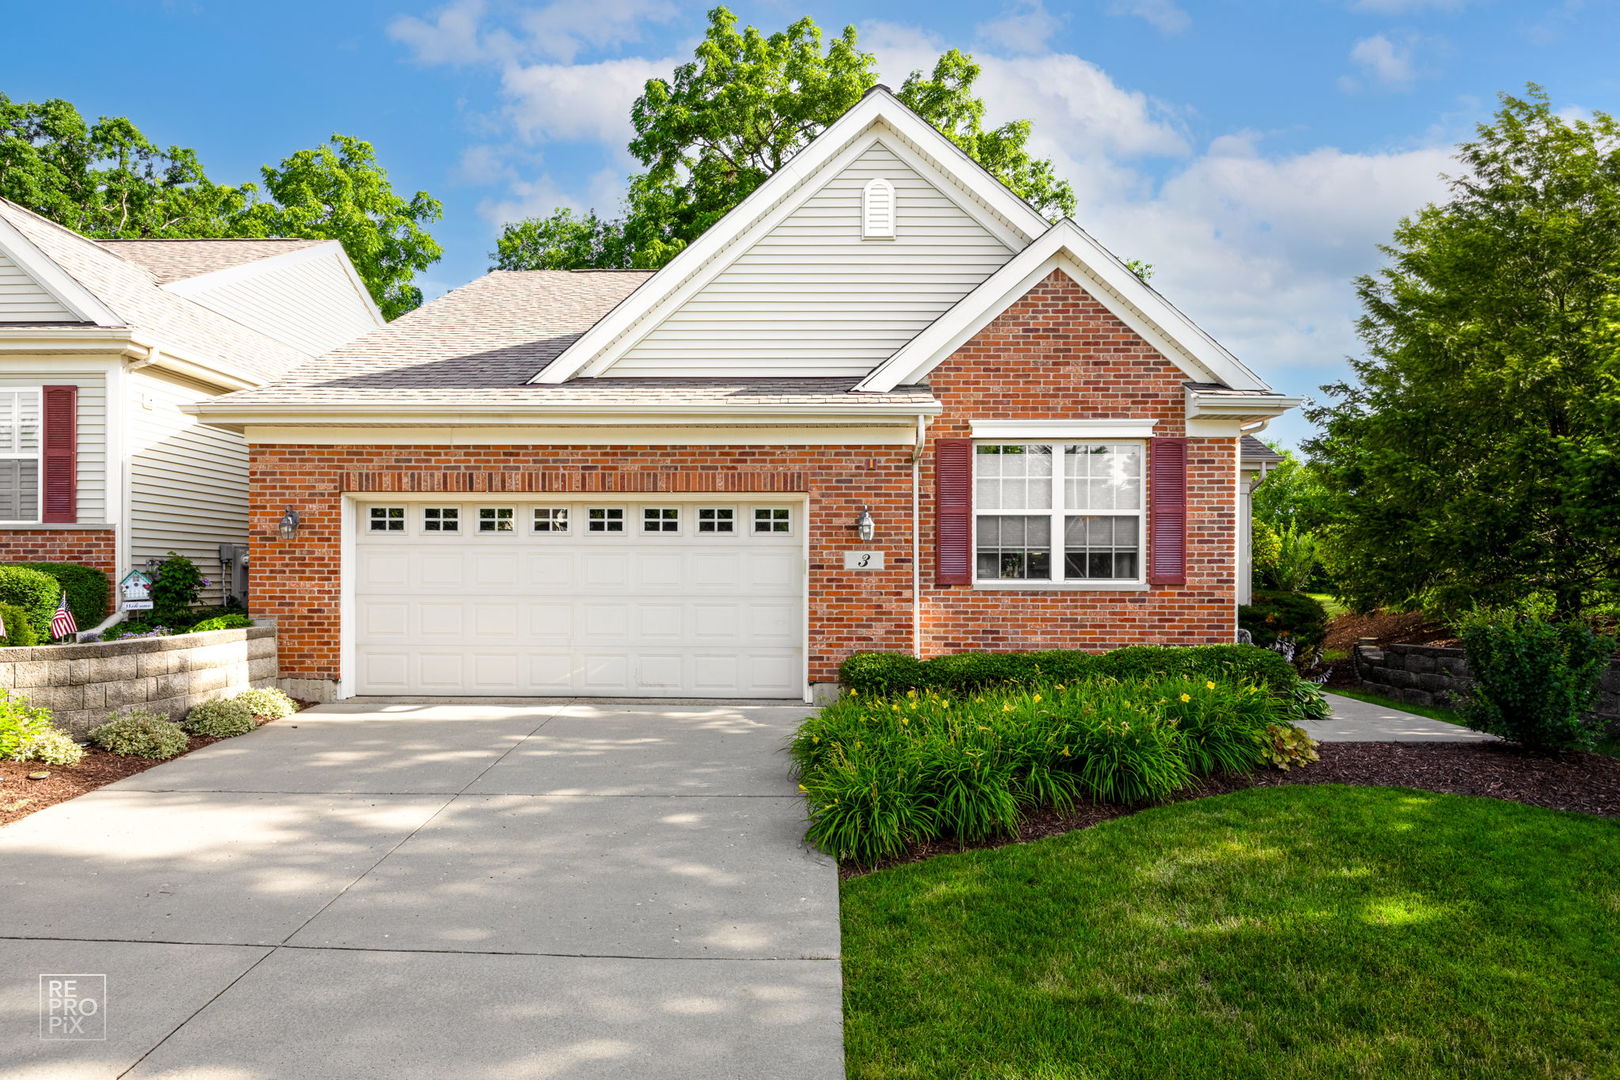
[(916, 536)]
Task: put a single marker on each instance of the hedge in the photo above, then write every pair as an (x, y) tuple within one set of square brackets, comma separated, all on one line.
[(87, 589), (19, 627), (33, 591)]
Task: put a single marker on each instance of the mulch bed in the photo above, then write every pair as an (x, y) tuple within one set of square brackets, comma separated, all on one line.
[(1388, 628), (1589, 783), (20, 796)]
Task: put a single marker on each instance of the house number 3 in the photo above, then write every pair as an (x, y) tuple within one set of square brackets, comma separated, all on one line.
[(863, 560)]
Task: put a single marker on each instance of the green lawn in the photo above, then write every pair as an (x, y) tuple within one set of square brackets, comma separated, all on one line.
[(1294, 932), (1334, 606)]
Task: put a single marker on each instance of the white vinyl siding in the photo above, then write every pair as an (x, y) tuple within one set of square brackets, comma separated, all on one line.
[(311, 305), (22, 373), (24, 300), (188, 482), (813, 298)]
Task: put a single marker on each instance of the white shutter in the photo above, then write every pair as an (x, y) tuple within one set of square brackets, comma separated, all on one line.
[(877, 210)]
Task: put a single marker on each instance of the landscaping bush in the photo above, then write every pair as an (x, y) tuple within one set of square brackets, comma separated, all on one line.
[(1535, 682), (175, 588), (222, 719), (141, 733), (87, 589), (882, 774), (269, 703), (1289, 622), (1286, 746), (19, 623), (221, 622), (35, 592), (876, 673), (27, 734)]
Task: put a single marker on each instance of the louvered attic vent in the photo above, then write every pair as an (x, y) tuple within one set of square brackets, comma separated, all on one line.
[(877, 210)]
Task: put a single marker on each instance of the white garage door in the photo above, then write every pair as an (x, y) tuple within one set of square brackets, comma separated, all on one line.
[(675, 599)]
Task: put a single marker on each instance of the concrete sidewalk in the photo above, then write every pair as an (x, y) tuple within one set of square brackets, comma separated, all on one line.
[(1354, 720), (435, 890)]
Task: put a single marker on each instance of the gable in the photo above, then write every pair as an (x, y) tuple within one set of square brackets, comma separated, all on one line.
[(814, 296), (25, 300), (308, 299)]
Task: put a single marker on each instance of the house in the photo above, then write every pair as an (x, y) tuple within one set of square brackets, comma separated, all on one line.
[(882, 404), (102, 345)]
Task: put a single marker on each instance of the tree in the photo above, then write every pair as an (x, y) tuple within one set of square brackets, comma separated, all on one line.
[(724, 122), (1291, 495), (337, 191), (1476, 458), (107, 180)]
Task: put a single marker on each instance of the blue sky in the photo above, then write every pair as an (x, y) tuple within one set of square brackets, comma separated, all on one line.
[(1255, 151)]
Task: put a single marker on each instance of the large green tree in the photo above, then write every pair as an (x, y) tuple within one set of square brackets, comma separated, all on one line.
[(1476, 457), (107, 180), (723, 123)]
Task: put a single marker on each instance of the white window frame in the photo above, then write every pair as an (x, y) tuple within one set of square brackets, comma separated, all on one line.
[(392, 515), (16, 396), (551, 520), (731, 522), (754, 521), (436, 526), (661, 520), (495, 519), (623, 521), (1058, 512)]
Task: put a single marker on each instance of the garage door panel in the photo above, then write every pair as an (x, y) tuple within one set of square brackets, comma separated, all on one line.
[(667, 614)]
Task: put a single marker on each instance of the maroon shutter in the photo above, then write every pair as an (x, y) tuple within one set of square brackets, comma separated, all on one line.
[(953, 512), (61, 454), (1167, 512)]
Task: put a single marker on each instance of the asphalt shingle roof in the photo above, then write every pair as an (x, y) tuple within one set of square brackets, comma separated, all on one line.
[(131, 292), (1252, 449), (483, 342), (177, 260)]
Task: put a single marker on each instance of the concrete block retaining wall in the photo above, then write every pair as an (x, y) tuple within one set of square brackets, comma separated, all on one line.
[(81, 684), (1427, 675)]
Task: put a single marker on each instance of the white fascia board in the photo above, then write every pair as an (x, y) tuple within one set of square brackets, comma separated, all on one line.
[(68, 338), (599, 346), (1067, 247), (1223, 404), (1063, 430), (192, 286), (53, 279)]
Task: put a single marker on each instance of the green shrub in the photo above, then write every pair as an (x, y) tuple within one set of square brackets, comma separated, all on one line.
[(221, 622), (881, 672), (222, 719), (882, 774), (269, 703), (1289, 622), (175, 588), (35, 592), (1286, 746), (141, 733), (1535, 682), (27, 734), (19, 625), (87, 589)]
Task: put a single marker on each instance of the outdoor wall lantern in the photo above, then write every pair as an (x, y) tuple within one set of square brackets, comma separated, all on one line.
[(289, 524), (864, 526)]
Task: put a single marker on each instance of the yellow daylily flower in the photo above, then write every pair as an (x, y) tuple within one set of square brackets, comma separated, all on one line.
[(1209, 686), (1186, 697), (1037, 699)]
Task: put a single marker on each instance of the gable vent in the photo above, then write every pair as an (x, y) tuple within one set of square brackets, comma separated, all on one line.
[(877, 210)]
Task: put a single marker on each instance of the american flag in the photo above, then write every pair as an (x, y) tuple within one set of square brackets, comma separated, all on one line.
[(62, 623)]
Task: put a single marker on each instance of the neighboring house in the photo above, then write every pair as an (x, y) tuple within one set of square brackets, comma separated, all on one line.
[(102, 344), (882, 404)]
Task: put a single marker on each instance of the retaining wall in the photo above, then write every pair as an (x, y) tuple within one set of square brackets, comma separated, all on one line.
[(81, 684), (1428, 675)]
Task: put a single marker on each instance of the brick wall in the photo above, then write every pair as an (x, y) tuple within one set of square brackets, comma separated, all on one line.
[(1057, 354), (92, 547)]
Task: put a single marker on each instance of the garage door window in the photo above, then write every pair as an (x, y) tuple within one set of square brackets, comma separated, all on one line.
[(773, 519), (387, 519), (660, 519), (551, 519), (494, 519), (717, 519), (441, 519), (605, 519)]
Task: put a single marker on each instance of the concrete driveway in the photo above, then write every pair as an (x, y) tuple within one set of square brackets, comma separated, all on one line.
[(437, 890)]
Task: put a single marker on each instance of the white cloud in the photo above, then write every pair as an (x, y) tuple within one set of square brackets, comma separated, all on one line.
[(1025, 27), (589, 102), (562, 30), (1163, 14), (1383, 63), (452, 35), (460, 32)]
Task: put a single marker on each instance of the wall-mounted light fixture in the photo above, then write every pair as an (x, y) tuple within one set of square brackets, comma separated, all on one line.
[(289, 524), (864, 526)]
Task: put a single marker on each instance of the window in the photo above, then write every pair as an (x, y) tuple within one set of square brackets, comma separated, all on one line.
[(441, 519), (494, 519), (19, 455), (717, 519), (605, 519), (877, 210), (1058, 512), (551, 519), (660, 519), (772, 519), (387, 519)]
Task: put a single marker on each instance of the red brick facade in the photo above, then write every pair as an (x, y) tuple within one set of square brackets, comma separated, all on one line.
[(92, 547), (1056, 354)]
